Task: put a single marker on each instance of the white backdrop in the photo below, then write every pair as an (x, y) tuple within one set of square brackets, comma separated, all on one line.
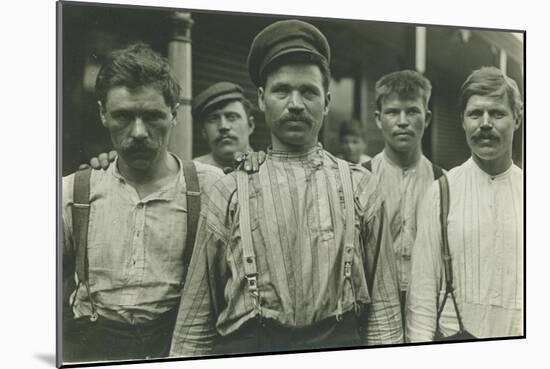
[(27, 315)]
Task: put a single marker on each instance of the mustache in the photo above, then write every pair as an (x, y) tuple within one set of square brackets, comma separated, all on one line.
[(223, 137), (303, 117), (482, 135)]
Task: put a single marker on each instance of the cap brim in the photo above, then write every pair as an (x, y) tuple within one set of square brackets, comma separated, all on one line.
[(230, 96)]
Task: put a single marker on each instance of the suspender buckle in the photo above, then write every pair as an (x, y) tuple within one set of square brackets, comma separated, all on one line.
[(94, 316), (347, 269), (252, 280)]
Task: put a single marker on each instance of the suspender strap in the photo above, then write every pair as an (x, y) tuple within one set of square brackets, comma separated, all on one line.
[(445, 251), (349, 225), (438, 172), (81, 217), (193, 196), (249, 257), (349, 228), (368, 165)]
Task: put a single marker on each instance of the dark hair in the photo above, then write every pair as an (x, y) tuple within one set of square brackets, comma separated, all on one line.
[(298, 58), (247, 105), (136, 66), (350, 128), (490, 81), (407, 84)]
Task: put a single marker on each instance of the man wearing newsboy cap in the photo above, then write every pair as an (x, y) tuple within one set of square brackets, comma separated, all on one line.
[(297, 255), (225, 117)]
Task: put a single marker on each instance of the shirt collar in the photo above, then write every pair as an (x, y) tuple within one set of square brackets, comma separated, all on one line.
[(312, 155), (483, 173), (412, 168), (168, 192)]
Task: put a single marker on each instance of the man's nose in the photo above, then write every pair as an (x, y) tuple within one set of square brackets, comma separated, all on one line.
[(224, 124), (486, 121), (139, 130), (402, 119), (296, 103)]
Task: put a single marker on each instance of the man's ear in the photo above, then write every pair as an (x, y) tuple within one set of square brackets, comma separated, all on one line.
[(327, 103), (251, 124), (102, 113), (175, 114), (428, 119), (261, 97), (377, 118)]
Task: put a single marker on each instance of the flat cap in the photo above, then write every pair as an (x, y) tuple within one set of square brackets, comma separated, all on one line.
[(214, 94), (282, 38)]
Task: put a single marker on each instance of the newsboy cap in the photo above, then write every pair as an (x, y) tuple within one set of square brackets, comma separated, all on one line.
[(282, 38), (214, 94)]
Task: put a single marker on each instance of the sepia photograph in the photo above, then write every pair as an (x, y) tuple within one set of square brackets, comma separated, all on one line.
[(235, 183)]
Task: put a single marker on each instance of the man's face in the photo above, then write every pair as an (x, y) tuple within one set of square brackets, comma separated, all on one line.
[(489, 124), (294, 102), (402, 123), (139, 122), (352, 148), (227, 130)]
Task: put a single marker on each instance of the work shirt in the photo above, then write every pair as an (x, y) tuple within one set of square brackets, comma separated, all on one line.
[(297, 226), (402, 190), (135, 246), (485, 232), (209, 160)]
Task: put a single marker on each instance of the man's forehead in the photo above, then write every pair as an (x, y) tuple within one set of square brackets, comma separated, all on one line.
[(495, 100), (395, 99), (303, 73), (144, 97)]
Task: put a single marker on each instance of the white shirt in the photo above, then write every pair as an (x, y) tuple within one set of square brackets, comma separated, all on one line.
[(402, 189), (485, 231)]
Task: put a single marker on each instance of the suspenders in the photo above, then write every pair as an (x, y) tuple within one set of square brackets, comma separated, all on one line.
[(249, 256), (81, 217)]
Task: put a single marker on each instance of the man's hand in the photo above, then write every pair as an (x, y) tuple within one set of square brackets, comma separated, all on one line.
[(249, 161), (102, 161)]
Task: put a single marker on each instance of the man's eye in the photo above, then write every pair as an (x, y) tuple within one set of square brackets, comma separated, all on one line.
[(122, 116), (232, 117), (498, 114), (391, 112), (152, 117), (474, 114)]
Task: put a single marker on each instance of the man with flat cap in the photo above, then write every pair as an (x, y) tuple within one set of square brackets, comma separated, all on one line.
[(297, 255), (225, 117)]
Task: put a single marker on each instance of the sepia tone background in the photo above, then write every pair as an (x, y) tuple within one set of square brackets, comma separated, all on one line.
[(207, 47)]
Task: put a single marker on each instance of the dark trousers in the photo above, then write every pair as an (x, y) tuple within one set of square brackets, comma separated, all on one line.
[(268, 336), (105, 339)]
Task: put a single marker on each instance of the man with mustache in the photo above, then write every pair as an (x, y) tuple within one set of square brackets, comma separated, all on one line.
[(484, 225), (405, 174), (296, 256), (128, 252), (226, 121)]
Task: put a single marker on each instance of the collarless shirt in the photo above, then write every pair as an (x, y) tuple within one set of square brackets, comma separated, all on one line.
[(485, 232), (403, 189), (297, 221), (135, 246)]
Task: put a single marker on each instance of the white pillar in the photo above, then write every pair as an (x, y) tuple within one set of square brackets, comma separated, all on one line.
[(420, 50), (179, 56), (503, 58)]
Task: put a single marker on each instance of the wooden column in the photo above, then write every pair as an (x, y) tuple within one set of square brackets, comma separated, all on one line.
[(179, 56)]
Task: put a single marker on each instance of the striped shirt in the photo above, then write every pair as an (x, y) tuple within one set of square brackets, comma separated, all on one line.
[(297, 220), (485, 232), (402, 190), (135, 246)]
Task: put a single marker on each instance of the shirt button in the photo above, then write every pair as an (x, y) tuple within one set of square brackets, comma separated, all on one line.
[(140, 205)]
